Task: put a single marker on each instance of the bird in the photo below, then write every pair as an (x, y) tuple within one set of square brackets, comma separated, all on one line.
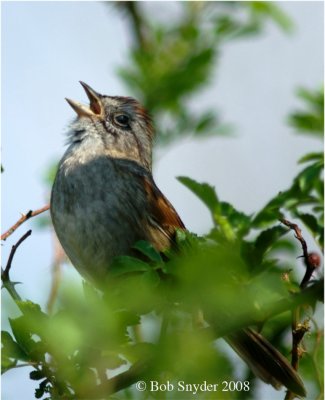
[(104, 199)]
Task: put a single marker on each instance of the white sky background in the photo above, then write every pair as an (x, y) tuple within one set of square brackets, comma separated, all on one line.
[(47, 47)]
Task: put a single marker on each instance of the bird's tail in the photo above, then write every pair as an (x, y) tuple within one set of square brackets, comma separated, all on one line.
[(265, 361)]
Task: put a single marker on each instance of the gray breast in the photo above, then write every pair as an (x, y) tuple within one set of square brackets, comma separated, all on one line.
[(98, 209)]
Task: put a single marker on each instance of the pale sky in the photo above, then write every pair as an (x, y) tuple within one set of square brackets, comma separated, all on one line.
[(47, 47)]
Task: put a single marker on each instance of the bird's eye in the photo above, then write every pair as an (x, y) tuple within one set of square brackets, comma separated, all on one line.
[(122, 120)]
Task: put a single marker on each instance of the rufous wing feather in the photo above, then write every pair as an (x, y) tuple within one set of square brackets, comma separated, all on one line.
[(163, 219)]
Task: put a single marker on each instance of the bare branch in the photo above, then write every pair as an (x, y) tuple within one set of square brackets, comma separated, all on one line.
[(312, 261), (10, 286), (21, 220)]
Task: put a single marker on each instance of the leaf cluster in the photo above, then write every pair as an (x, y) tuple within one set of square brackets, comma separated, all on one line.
[(172, 62), (304, 199)]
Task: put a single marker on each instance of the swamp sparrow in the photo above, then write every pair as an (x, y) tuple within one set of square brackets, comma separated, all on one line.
[(104, 199)]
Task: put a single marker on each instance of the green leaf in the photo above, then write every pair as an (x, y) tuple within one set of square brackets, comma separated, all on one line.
[(239, 221), (266, 239), (307, 184), (254, 251), (311, 157), (307, 122), (228, 220), (310, 120), (274, 12), (32, 322), (151, 278), (148, 250), (185, 240), (10, 348), (312, 223), (206, 122), (7, 363), (126, 264), (22, 334), (271, 212), (31, 309), (307, 178), (203, 191)]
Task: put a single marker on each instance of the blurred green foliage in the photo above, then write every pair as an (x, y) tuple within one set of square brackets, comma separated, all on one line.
[(101, 329), (304, 199), (310, 120), (241, 273), (172, 62)]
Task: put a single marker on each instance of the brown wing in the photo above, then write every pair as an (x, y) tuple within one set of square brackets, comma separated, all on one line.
[(163, 219)]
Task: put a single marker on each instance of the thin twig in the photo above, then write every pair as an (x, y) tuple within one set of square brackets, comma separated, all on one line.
[(21, 220), (5, 272), (299, 329), (310, 266)]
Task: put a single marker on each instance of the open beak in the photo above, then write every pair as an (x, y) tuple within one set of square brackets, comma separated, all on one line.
[(95, 108)]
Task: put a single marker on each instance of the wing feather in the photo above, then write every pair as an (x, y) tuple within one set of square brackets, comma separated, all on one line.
[(163, 219)]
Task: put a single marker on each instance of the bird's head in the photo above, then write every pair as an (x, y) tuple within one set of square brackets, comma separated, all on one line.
[(122, 125)]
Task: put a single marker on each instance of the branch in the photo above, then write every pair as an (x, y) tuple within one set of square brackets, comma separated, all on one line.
[(119, 382), (23, 218), (10, 286), (312, 261), (137, 21)]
